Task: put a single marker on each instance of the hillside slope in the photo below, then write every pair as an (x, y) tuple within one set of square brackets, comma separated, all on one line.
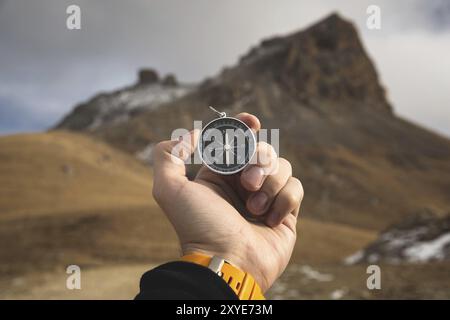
[(67, 199), (63, 172)]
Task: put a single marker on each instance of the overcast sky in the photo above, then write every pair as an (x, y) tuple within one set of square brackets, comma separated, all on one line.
[(46, 69)]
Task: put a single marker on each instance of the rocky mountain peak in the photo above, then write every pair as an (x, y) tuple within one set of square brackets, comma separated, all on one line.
[(325, 64)]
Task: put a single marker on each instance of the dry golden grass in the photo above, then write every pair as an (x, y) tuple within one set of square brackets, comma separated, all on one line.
[(59, 172), (66, 198), (323, 242)]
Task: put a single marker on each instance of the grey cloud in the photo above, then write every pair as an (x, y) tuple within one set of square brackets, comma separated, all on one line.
[(437, 13)]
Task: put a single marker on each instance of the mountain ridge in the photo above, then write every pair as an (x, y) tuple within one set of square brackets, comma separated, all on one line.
[(360, 163), (118, 106)]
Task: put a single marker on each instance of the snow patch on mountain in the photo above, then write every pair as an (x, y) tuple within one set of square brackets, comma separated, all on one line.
[(313, 274), (420, 238), (117, 107), (428, 250), (148, 94)]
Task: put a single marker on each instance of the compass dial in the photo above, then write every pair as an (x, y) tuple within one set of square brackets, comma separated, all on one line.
[(226, 145)]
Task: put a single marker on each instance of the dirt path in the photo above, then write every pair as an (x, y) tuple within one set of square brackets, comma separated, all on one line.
[(115, 282)]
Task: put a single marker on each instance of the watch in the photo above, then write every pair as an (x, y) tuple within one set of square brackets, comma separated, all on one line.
[(226, 144), (242, 283)]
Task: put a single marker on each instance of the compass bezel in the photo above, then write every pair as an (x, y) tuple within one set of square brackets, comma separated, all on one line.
[(200, 149)]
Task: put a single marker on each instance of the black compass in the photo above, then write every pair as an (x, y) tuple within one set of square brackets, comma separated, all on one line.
[(226, 144)]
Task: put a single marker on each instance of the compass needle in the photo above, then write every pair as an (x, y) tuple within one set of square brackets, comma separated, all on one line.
[(227, 149)]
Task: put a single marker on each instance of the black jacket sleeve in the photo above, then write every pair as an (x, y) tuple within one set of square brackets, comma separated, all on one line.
[(183, 281)]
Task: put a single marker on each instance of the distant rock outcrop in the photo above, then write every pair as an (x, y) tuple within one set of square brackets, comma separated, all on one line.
[(148, 76), (170, 80), (119, 106)]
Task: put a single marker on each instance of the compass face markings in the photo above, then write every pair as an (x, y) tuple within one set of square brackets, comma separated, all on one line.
[(226, 145)]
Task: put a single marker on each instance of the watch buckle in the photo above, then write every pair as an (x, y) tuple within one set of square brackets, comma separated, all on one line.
[(216, 264)]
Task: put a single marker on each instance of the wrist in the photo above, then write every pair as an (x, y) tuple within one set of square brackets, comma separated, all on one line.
[(241, 281), (243, 256)]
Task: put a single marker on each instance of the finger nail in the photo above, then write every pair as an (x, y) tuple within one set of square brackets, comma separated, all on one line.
[(272, 219), (258, 202), (254, 176)]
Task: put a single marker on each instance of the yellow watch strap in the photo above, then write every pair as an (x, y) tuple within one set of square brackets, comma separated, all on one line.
[(240, 282)]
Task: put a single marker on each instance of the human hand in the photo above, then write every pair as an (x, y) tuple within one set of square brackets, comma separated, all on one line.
[(248, 219)]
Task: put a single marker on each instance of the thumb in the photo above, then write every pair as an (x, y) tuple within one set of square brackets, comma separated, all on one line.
[(169, 157)]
